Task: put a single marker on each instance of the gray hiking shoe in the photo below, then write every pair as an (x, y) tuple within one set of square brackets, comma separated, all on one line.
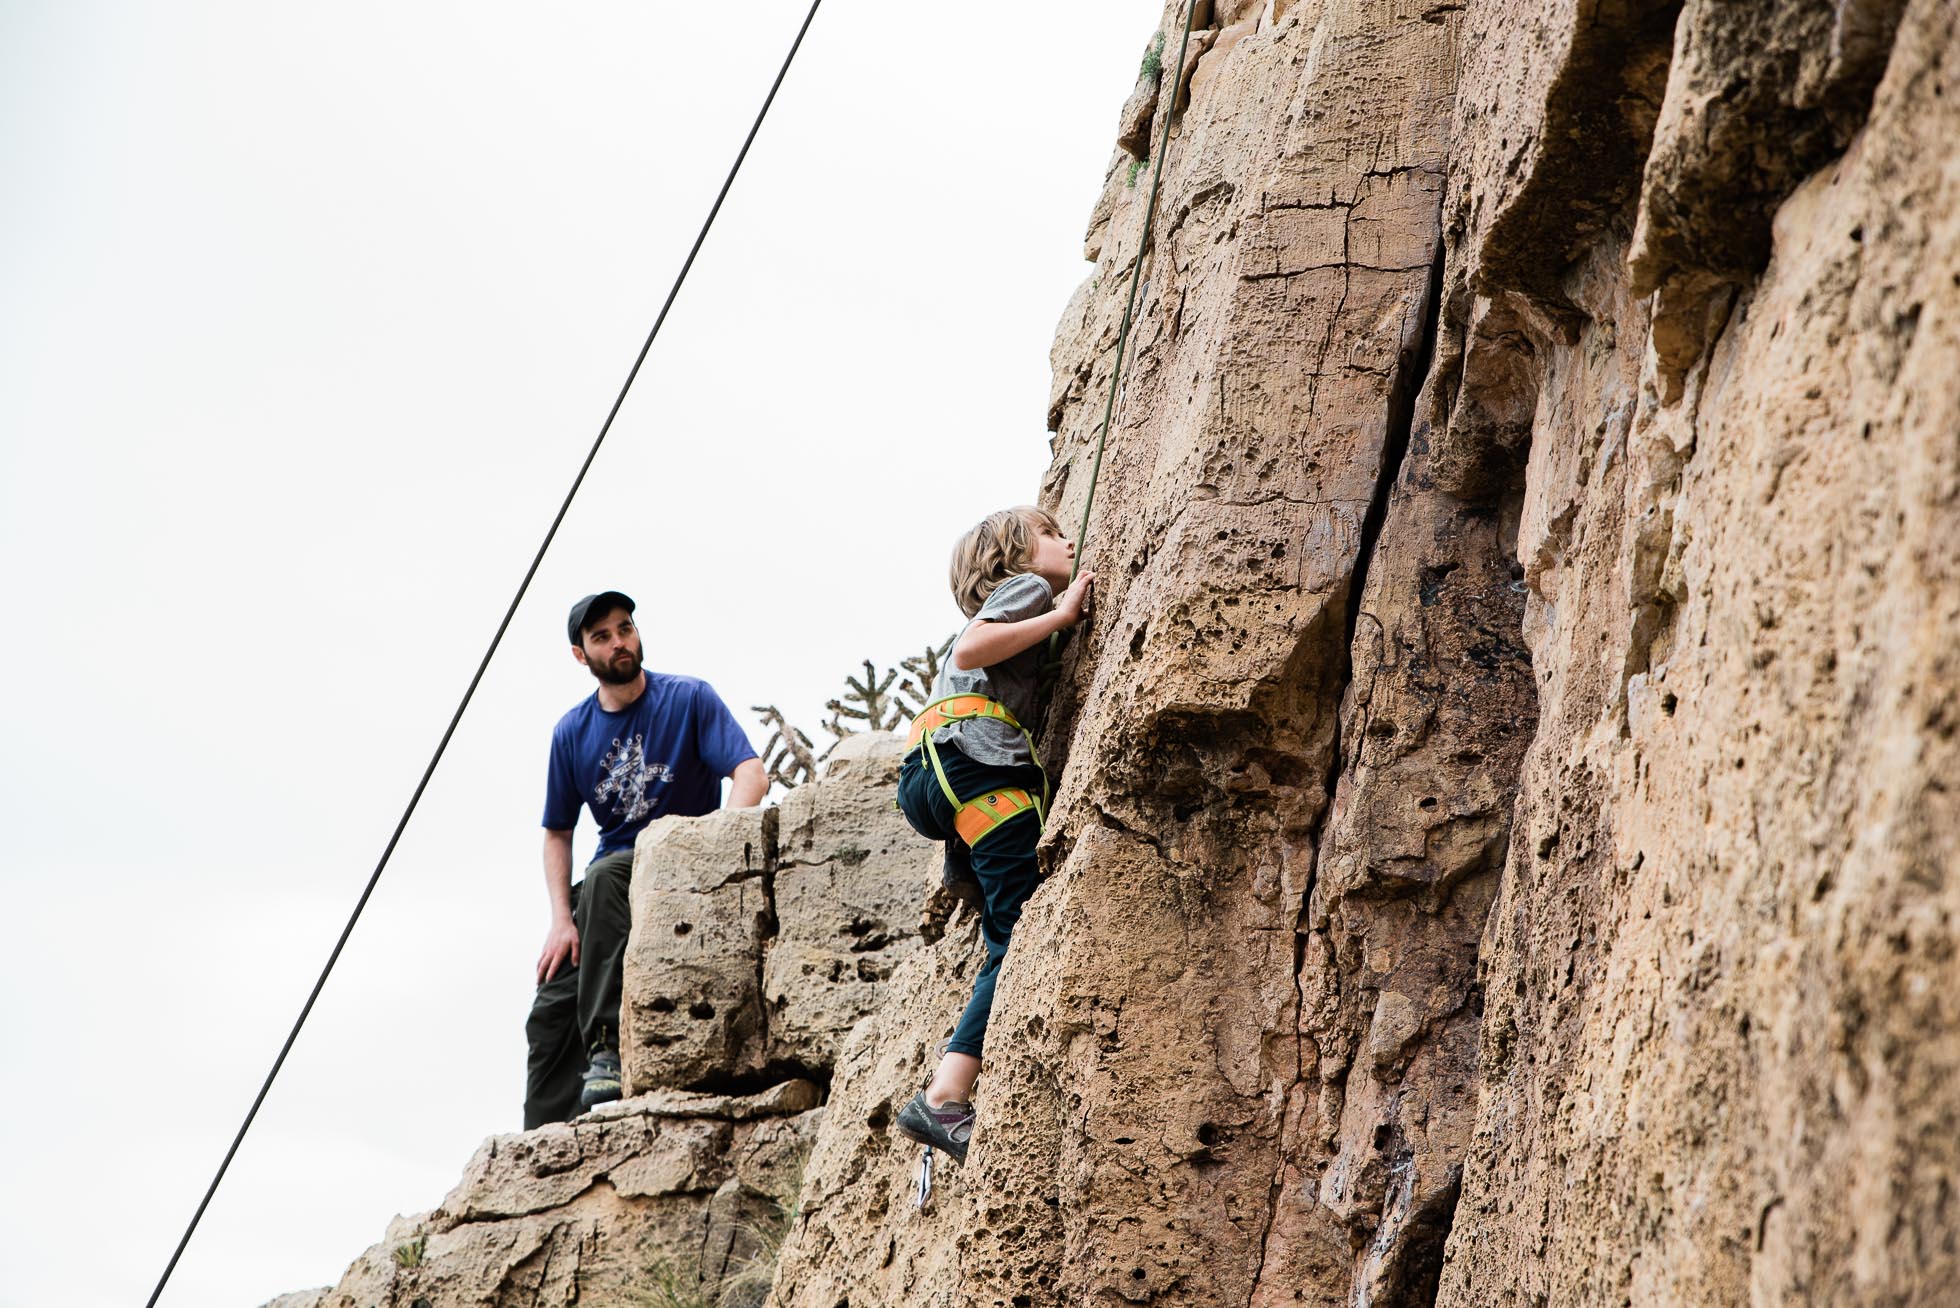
[(601, 1079), (947, 1128)]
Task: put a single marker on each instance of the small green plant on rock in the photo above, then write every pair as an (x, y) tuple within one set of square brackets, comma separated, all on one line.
[(671, 1286), (410, 1254), (748, 1285), (1153, 60)]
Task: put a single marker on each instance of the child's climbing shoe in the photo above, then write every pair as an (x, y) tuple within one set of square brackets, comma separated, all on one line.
[(601, 1079), (947, 1128)]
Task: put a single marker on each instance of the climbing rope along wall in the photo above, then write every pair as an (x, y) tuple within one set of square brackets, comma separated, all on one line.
[(1167, 106)]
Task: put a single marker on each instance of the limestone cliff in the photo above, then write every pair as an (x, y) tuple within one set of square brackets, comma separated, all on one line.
[(1505, 839)]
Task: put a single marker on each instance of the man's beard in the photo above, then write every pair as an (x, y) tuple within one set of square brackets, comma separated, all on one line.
[(619, 670)]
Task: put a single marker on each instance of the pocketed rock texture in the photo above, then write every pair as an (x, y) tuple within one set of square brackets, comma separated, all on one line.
[(858, 1217), (762, 935), (1719, 1057), (671, 1196), (666, 1188), (1504, 837)]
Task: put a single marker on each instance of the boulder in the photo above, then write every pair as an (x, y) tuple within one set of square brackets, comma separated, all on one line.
[(850, 877), (702, 908), (666, 1194), (761, 936)]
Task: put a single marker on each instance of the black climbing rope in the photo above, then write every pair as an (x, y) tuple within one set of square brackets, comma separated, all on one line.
[(481, 667)]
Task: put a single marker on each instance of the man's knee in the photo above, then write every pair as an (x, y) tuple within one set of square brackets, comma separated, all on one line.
[(546, 1025)]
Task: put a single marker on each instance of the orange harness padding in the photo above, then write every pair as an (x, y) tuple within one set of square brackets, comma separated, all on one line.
[(958, 708), (977, 818)]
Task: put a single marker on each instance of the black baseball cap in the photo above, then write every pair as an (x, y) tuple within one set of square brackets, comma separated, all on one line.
[(596, 606)]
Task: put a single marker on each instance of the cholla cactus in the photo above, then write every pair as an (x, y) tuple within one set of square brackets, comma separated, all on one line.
[(915, 692), (868, 702), (789, 758)]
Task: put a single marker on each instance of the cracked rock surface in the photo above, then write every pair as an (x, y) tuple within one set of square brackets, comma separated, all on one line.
[(584, 1212), (672, 1191), (1505, 838)]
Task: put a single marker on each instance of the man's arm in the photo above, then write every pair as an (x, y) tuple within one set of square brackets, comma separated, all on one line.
[(749, 782), (561, 941)]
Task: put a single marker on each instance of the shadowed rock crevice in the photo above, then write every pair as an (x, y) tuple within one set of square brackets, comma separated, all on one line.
[(1410, 373), (757, 1080), (1593, 73), (1763, 96), (1412, 1275)]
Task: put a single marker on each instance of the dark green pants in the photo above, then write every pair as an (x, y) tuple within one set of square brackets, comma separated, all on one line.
[(578, 1009)]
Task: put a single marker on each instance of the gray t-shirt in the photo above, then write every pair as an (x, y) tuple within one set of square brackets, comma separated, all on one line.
[(1011, 681)]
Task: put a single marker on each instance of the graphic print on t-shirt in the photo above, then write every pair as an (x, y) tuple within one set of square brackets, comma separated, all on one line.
[(626, 777)]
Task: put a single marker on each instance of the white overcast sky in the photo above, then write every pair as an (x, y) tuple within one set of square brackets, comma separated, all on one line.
[(307, 315)]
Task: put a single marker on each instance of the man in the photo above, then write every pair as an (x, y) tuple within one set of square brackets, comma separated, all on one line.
[(645, 745)]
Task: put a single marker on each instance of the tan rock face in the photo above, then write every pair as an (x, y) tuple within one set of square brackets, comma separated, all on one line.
[(1718, 1058), (666, 1189), (858, 1233), (702, 908), (761, 936), (850, 877), (1502, 851)]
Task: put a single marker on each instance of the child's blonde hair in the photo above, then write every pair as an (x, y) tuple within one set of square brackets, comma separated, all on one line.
[(1000, 546)]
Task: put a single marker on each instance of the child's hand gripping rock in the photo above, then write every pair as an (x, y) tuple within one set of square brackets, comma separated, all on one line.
[(1075, 603)]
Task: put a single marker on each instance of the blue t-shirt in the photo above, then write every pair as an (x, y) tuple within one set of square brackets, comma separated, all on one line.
[(666, 752)]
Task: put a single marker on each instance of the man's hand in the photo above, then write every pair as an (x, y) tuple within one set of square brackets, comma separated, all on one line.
[(560, 943), (1073, 603)]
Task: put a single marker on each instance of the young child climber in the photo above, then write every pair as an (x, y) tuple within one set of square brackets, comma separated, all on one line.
[(970, 777)]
